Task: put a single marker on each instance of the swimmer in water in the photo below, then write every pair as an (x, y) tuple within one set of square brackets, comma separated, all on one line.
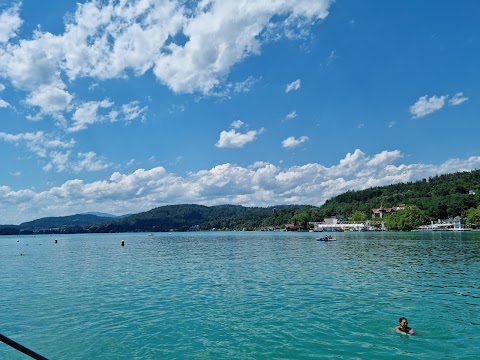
[(403, 328)]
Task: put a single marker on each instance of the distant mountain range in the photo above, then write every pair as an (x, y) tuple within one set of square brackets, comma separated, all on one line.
[(100, 214), (165, 218), (78, 220), (441, 197)]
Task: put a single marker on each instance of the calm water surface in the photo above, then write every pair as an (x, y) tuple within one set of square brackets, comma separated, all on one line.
[(241, 295)]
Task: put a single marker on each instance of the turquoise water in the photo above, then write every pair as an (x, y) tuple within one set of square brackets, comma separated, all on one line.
[(241, 295)]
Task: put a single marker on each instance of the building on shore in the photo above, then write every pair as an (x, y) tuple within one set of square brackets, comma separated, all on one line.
[(341, 224), (382, 211), (455, 224)]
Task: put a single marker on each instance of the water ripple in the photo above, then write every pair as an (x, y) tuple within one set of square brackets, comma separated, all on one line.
[(241, 295)]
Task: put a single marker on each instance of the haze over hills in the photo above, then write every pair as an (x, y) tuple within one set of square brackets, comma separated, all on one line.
[(78, 220), (103, 214)]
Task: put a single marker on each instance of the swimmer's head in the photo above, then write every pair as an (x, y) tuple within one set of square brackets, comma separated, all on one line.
[(403, 322)]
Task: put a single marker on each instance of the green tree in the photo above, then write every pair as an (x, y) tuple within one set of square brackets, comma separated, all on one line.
[(301, 219), (473, 217), (408, 219), (359, 216)]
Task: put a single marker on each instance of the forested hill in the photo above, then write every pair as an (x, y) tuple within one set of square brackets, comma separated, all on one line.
[(172, 218), (79, 220), (442, 196), (198, 217)]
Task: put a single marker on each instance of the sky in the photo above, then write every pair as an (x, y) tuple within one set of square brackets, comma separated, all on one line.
[(127, 105)]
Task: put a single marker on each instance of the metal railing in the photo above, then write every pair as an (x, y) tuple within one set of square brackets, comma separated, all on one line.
[(21, 348)]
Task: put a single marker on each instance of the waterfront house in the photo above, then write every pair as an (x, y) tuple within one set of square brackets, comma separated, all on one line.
[(381, 211)]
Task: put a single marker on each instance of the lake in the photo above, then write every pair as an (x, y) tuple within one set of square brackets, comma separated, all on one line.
[(241, 295)]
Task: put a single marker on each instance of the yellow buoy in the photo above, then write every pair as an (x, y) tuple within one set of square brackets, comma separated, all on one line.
[(123, 242)]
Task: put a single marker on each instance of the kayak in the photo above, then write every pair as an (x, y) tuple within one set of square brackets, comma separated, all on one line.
[(325, 239)]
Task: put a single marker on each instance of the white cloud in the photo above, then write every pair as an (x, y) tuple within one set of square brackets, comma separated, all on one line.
[(132, 110), (331, 58), (292, 142), (50, 99), (105, 40), (62, 161), (39, 143), (237, 124), (9, 23), (261, 184), (89, 162), (244, 86), (234, 139), (223, 33), (291, 115), (294, 86), (4, 104), (55, 152), (426, 105), (87, 114), (58, 160), (391, 124), (457, 99)]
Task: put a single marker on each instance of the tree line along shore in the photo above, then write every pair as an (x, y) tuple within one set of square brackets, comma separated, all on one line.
[(421, 202)]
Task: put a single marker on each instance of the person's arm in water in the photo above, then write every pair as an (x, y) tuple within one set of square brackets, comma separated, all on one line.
[(407, 331)]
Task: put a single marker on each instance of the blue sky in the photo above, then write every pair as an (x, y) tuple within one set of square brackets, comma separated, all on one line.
[(123, 106)]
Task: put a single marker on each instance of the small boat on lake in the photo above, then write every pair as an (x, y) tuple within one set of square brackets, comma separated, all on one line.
[(326, 238)]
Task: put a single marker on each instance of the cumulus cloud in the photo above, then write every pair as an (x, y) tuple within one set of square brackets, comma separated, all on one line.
[(294, 86), (50, 99), (92, 112), (55, 152), (237, 124), (61, 161), (292, 142), (234, 139), (3, 103), (425, 105), (87, 114), (457, 99), (261, 184), (223, 33), (39, 143), (10, 22), (189, 46), (89, 162)]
